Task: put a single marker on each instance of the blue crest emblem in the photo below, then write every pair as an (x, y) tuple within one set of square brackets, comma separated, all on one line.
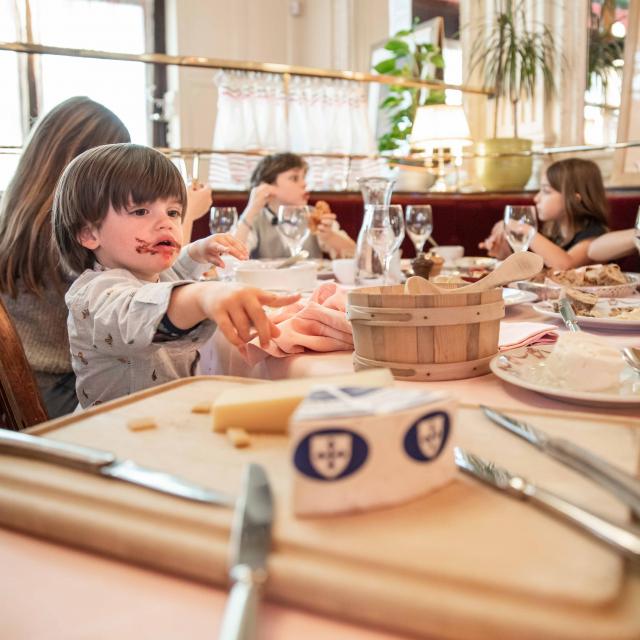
[(427, 436), (330, 454)]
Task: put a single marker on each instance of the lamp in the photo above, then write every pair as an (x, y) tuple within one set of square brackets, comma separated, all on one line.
[(440, 126)]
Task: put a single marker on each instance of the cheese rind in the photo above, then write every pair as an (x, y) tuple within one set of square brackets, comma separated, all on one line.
[(266, 408)]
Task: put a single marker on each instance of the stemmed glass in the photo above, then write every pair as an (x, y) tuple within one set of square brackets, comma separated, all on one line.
[(520, 225), (223, 219), (385, 231), (419, 224), (293, 225), (637, 235)]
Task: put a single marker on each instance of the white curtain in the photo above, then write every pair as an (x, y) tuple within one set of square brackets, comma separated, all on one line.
[(317, 116)]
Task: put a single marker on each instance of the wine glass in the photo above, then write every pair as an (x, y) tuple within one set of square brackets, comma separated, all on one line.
[(223, 219), (637, 235), (385, 231), (293, 225), (520, 225), (419, 224)]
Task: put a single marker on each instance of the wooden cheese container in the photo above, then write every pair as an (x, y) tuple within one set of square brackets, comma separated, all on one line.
[(425, 337)]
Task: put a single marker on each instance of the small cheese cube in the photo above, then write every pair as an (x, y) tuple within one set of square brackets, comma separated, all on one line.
[(141, 424), (267, 407), (238, 438), (201, 407)]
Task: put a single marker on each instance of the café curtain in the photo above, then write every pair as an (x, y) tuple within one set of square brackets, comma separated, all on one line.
[(312, 115)]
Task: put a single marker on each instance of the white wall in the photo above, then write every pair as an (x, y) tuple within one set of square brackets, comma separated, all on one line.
[(334, 34)]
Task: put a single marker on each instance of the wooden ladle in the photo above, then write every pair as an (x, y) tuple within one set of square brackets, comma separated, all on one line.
[(417, 285), (518, 266)]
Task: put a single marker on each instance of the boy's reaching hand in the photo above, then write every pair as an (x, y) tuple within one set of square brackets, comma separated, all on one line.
[(212, 248), (239, 314)]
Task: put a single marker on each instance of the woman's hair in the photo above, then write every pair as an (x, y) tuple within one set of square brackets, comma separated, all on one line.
[(114, 175), (580, 183), (269, 168), (27, 252)]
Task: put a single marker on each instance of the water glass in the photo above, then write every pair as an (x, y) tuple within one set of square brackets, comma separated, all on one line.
[(293, 225), (223, 219), (637, 236), (520, 225), (385, 231), (419, 224)]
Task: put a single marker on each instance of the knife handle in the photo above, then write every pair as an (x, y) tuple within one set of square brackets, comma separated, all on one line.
[(241, 610), (620, 483), (62, 453), (624, 539)]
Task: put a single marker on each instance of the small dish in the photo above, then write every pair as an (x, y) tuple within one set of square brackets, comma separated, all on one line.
[(602, 306), (512, 297)]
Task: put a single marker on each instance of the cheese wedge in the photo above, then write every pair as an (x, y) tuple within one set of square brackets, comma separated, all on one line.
[(266, 408)]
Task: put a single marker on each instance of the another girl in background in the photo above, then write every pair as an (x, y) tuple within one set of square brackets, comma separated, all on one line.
[(280, 180), (615, 244), (32, 282), (572, 210)]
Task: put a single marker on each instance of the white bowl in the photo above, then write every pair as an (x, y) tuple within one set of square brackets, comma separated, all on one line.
[(450, 253), (264, 275), (344, 270)]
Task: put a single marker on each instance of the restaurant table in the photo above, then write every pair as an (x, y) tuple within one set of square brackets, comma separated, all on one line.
[(55, 592)]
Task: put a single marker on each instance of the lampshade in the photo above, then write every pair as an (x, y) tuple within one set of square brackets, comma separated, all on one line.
[(440, 125)]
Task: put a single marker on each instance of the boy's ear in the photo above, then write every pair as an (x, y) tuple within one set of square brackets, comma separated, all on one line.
[(88, 238)]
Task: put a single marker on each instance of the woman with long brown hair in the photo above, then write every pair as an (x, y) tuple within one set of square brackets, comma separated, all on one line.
[(32, 281)]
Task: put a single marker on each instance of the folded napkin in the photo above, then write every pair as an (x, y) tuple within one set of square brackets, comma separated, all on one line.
[(520, 334), (317, 324)]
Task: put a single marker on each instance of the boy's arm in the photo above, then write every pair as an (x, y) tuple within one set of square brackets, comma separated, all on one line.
[(196, 257), (236, 310), (258, 199)]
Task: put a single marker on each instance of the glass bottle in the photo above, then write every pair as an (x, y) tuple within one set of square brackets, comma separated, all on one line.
[(369, 268)]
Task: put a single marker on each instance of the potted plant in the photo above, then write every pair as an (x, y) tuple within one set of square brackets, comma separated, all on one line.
[(511, 58), (409, 58)]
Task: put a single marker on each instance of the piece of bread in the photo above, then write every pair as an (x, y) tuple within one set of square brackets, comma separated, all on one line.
[(321, 209), (581, 301)]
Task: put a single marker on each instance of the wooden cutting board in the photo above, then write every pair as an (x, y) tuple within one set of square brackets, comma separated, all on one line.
[(464, 562)]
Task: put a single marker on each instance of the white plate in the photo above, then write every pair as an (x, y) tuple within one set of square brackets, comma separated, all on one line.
[(475, 262), (517, 296), (546, 308), (523, 367)]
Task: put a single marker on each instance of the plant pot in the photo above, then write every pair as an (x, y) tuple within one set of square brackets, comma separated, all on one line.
[(509, 173)]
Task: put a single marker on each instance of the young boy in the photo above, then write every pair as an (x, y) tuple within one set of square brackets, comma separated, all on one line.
[(136, 316), (280, 180)]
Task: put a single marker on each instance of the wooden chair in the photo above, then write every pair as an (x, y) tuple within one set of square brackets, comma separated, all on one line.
[(21, 405)]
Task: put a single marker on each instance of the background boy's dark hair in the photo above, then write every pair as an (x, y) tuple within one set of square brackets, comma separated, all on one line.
[(269, 168), (114, 175)]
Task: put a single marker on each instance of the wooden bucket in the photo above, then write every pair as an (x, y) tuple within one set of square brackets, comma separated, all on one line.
[(425, 337)]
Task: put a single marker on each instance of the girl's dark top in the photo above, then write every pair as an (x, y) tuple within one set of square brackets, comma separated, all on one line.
[(593, 229)]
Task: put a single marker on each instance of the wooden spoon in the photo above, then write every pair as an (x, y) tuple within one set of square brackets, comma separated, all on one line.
[(518, 266), (417, 285)]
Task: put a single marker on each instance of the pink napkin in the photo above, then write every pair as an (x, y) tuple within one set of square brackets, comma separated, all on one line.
[(318, 324), (519, 334)]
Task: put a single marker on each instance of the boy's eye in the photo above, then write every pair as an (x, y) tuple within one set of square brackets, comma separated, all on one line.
[(139, 212), (174, 213)]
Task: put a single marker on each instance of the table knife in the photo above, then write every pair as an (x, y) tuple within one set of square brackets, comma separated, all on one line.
[(623, 485), (568, 315), (250, 543), (625, 540), (107, 465)]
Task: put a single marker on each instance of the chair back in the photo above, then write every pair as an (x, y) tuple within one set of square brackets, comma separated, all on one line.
[(21, 404)]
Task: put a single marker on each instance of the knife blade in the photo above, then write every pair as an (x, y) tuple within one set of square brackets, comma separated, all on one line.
[(625, 540), (623, 485), (107, 465), (250, 543), (568, 315)]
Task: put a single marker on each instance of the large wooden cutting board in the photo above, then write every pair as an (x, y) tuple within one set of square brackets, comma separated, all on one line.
[(464, 562)]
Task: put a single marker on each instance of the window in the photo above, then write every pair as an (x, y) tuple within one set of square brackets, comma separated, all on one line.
[(107, 25)]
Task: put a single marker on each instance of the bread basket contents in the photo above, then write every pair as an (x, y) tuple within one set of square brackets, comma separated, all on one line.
[(358, 448)]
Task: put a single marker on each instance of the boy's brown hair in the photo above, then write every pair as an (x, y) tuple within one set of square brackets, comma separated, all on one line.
[(114, 175), (269, 168)]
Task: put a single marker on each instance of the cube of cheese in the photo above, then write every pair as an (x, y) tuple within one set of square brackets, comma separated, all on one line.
[(267, 407)]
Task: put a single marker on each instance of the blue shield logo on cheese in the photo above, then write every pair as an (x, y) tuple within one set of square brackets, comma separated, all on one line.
[(427, 436), (330, 454)]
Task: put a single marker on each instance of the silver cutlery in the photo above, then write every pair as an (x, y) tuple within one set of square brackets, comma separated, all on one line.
[(624, 539), (301, 255), (623, 485), (250, 544), (568, 315), (631, 356), (107, 465)]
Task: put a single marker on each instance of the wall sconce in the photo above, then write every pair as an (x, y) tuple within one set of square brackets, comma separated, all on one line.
[(441, 130)]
